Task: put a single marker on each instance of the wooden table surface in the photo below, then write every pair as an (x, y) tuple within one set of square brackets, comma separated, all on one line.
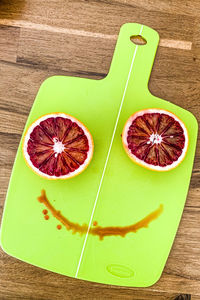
[(77, 38)]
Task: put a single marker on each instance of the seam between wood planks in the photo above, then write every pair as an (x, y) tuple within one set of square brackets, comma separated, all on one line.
[(169, 43), (107, 158)]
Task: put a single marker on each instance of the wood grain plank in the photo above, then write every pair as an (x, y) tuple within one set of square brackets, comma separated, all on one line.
[(183, 297), (185, 263), (193, 197), (18, 85), (81, 291), (170, 43), (188, 8), (196, 40), (178, 7), (5, 173), (72, 53), (8, 42), (177, 44), (16, 122), (11, 8), (100, 16)]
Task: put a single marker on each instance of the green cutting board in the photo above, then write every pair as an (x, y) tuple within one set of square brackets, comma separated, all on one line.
[(112, 191)]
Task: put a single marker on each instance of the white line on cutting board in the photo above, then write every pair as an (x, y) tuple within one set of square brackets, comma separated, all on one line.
[(107, 158)]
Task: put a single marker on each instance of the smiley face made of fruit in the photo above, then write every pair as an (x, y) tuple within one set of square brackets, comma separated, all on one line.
[(58, 146)]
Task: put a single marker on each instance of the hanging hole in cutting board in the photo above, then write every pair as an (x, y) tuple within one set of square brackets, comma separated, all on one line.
[(138, 40)]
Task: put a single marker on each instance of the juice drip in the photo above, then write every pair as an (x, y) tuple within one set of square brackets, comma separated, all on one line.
[(99, 230)]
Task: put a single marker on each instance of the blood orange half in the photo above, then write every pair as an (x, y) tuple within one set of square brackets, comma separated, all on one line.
[(58, 146), (155, 139)]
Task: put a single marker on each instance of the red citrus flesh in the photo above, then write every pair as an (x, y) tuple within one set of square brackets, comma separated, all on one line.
[(156, 139), (58, 146)]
